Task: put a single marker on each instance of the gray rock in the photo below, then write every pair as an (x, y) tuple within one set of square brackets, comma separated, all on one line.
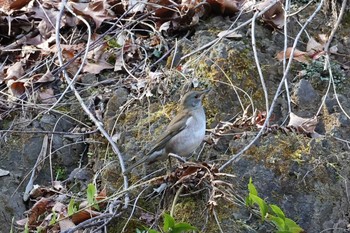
[(305, 96)]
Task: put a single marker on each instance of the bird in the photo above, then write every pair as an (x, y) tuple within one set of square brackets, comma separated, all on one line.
[(184, 133)]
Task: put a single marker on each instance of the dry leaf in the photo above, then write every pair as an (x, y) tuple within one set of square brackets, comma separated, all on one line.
[(47, 96), (229, 35), (275, 15), (305, 125), (18, 4), (16, 88), (298, 55), (38, 209), (313, 45), (118, 65), (96, 10), (4, 172), (15, 71), (47, 77), (66, 224), (226, 7), (96, 68), (84, 215)]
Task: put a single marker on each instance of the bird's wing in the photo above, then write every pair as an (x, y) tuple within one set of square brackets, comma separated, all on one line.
[(175, 126)]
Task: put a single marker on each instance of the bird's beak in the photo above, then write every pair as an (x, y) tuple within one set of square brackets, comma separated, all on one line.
[(202, 93)]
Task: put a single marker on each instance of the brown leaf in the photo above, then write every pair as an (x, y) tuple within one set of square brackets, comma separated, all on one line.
[(66, 224), (275, 15), (97, 11), (226, 7), (15, 71), (96, 68), (304, 125), (298, 55), (16, 88), (313, 45), (162, 8), (40, 207), (47, 96), (47, 77), (84, 215), (18, 4)]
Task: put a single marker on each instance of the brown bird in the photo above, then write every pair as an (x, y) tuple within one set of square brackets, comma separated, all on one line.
[(184, 133)]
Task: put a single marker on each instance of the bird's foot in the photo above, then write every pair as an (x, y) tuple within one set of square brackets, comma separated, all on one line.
[(181, 159)]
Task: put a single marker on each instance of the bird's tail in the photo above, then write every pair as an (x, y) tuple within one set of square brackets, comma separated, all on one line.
[(128, 170)]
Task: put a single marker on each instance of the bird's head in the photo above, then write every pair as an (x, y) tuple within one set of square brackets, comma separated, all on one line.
[(193, 99)]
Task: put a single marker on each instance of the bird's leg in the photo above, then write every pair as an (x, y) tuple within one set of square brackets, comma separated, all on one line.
[(181, 159), (169, 170)]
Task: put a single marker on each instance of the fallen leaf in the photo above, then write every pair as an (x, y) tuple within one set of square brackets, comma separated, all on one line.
[(298, 55), (118, 65), (47, 96), (313, 45), (22, 222), (96, 10), (226, 7), (66, 224), (15, 71), (47, 77), (229, 34), (18, 4), (96, 68), (4, 172), (275, 15), (304, 125), (84, 215), (39, 208), (16, 88)]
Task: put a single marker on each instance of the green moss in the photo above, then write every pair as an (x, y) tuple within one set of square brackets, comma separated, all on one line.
[(280, 151), (155, 116), (186, 209), (238, 69)]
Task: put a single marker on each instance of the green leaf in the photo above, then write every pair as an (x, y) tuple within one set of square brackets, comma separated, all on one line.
[(261, 203), (53, 219), (152, 231), (277, 210), (182, 226), (91, 191), (279, 222), (251, 187), (72, 209), (248, 201), (292, 226), (26, 228), (169, 222)]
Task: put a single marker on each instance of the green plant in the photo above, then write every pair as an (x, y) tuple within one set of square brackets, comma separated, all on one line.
[(91, 195), (315, 70), (61, 173), (170, 226), (72, 207), (26, 228), (271, 212), (53, 218)]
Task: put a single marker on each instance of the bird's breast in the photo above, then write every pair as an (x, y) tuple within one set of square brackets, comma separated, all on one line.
[(189, 138)]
